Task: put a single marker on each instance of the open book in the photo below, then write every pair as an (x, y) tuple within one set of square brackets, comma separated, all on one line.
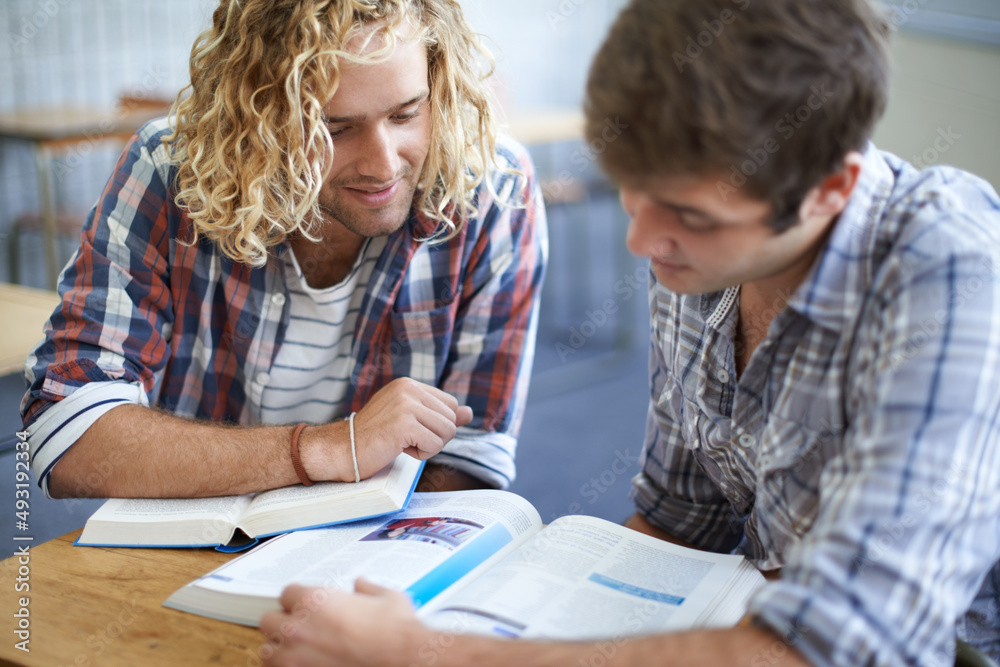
[(480, 562), (198, 522)]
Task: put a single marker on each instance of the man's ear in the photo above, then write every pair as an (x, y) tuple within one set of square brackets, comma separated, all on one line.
[(828, 199)]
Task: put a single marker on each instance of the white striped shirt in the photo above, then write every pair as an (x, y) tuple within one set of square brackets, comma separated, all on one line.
[(311, 374)]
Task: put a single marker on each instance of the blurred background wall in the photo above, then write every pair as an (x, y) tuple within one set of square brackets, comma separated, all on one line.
[(584, 425), (81, 54), (945, 88)]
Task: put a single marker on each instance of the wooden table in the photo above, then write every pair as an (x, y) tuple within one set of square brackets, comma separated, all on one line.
[(23, 312), (94, 606)]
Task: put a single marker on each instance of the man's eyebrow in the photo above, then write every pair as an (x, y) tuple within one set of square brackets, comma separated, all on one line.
[(388, 112), (690, 210)]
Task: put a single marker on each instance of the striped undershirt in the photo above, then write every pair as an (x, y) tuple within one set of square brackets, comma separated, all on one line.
[(310, 375)]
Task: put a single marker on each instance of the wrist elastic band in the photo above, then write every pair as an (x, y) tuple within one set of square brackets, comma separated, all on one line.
[(354, 451), (296, 461)]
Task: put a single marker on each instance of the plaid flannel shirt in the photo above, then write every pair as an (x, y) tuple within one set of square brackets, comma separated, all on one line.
[(860, 448), (149, 319)]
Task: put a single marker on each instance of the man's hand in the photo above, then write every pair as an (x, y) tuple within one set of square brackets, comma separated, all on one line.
[(320, 626), (378, 628), (404, 416)]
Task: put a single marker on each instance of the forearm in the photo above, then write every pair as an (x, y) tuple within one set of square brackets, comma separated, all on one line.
[(733, 647), (641, 524), (324, 627), (134, 451)]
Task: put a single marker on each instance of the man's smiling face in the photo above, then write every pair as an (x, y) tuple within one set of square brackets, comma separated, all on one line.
[(379, 120)]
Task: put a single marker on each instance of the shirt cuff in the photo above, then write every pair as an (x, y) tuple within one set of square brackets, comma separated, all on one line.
[(485, 455), (709, 527), (62, 424)]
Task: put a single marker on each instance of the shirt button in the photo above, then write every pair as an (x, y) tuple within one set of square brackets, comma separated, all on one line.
[(278, 299), (722, 376), (665, 398), (263, 379), (747, 440)]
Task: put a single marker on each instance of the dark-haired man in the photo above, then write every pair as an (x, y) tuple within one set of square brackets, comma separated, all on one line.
[(825, 348)]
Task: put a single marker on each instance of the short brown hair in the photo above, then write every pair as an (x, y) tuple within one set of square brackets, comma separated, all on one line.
[(771, 93)]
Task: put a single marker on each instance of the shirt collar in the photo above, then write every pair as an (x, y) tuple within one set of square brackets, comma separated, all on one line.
[(837, 282), (718, 312)]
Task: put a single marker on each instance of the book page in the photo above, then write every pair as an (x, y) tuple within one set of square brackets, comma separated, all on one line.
[(164, 521), (144, 510), (424, 549), (296, 495), (586, 578)]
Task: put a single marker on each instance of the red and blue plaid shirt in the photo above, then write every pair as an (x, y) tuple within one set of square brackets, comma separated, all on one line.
[(148, 318)]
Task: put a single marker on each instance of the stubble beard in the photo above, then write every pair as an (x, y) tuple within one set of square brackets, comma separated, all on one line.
[(371, 223)]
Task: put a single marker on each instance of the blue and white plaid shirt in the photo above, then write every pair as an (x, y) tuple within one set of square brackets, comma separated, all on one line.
[(860, 449)]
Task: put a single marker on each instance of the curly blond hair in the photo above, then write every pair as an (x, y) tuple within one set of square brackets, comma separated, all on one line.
[(247, 137)]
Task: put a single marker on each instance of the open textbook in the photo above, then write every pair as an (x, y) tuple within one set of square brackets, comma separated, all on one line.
[(480, 562), (197, 522)]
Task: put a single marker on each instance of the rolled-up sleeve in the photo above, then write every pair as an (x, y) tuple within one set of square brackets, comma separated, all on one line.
[(486, 455), (65, 421), (107, 341), (907, 528)]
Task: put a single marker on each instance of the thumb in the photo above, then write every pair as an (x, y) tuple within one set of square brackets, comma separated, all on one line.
[(364, 587), (297, 594), (463, 415)]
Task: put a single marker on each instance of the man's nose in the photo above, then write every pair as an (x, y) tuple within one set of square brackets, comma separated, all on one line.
[(646, 236), (379, 159)]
